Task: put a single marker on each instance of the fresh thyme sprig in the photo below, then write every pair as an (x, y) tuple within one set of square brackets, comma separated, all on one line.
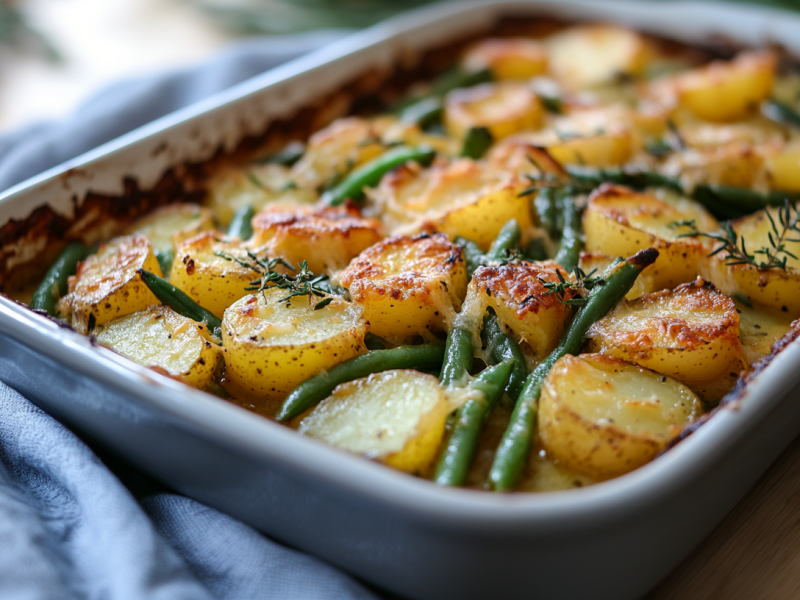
[(775, 256), (583, 283), (304, 283)]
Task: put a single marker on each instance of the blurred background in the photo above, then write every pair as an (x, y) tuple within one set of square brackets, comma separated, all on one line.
[(55, 53)]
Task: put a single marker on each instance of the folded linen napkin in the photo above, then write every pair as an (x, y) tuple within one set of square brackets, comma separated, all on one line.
[(77, 525)]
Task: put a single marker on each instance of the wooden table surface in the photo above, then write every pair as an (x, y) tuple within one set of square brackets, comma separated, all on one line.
[(754, 554)]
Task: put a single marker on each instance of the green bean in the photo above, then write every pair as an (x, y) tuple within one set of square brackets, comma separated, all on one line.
[(446, 82), (780, 112), (286, 157), (545, 202), (535, 249), (424, 113), (517, 441), (635, 179), (552, 104), (729, 202), (317, 388), (477, 141), (374, 342), (54, 283), (507, 239), (165, 259), (179, 302), (458, 354), (241, 225), (569, 249), (454, 462), (370, 174), (473, 255), (500, 347)]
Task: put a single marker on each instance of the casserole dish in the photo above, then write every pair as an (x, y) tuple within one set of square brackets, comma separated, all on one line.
[(400, 533)]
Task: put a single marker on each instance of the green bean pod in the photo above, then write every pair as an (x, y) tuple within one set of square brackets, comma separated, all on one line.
[(592, 178), (729, 202), (241, 224), (780, 112), (54, 284), (317, 388), (370, 174), (446, 82), (535, 250), (424, 112), (501, 347), (545, 202), (477, 141), (165, 259), (178, 301), (458, 355), (507, 239), (473, 255), (517, 441), (454, 462), (569, 249)]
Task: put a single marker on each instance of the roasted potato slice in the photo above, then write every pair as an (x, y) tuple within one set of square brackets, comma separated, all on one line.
[(172, 223), (254, 185), (397, 417), (334, 150), (162, 339), (504, 108), (459, 199), (209, 279), (759, 328), (507, 58), (783, 168), (774, 287), (604, 417), (727, 90), (517, 293), (589, 55), (407, 286), (327, 238), (735, 163), (619, 222), (273, 344), (107, 285), (690, 333)]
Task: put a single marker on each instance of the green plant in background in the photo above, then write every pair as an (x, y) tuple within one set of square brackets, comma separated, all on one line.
[(290, 16), (16, 32)]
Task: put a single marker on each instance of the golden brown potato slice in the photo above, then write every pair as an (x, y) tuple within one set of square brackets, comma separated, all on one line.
[(619, 222), (208, 278), (235, 187), (504, 108), (588, 55), (759, 328), (327, 238), (733, 163), (162, 339), (173, 223), (727, 90), (783, 168), (396, 417), (604, 417), (507, 58), (518, 295), (407, 286), (690, 333), (107, 285), (272, 345), (774, 287), (459, 199)]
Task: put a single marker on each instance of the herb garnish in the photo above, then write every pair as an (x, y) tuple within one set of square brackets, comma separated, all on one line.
[(304, 283), (735, 250), (583, 283)]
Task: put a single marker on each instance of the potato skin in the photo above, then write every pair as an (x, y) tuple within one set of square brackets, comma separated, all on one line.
[(518, 295), (407, 286), (162, 339), (272, 346), (211, 281), (107, 285), (327, 238), (604, 417), (619, 222), (690, 334)]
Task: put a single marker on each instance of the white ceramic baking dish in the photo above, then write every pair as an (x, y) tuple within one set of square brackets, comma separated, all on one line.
[(615, 540)]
